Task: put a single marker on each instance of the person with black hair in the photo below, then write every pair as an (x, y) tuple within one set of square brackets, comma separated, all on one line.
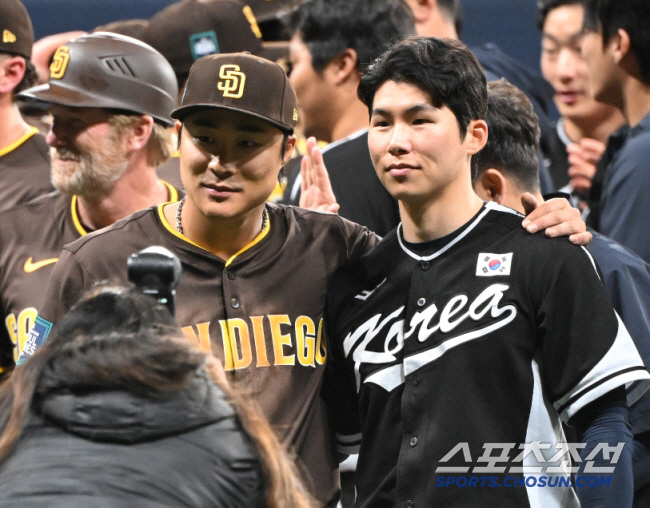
[(456, 329), (119, 410), (576, 143), (332, 44), (616, 47), (506, 168)]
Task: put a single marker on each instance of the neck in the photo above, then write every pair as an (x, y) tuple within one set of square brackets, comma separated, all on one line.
[(594, 128), (222, 236), (353, 118), (440, 215), (137, 189), (12, 125), (636, 100)]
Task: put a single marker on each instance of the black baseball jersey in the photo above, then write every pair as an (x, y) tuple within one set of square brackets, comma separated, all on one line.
[(31, 239), (260, 312), (491, 336), (24, 170)]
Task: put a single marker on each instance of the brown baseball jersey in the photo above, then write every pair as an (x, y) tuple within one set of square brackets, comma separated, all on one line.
[(31, 239), (260, 312), (24, 170)]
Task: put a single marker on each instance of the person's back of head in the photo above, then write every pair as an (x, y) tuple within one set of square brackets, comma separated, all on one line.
[(632, 16), (329, 27), (513, 139), (121, 341)]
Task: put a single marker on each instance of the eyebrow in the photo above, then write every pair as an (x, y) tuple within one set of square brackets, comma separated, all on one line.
[(417, 108), (571, 38)]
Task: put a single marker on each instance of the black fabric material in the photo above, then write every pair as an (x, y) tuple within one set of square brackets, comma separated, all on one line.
[(118, 449)]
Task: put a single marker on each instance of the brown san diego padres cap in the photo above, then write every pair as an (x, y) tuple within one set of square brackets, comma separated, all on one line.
[(240, 82), (16, 32)]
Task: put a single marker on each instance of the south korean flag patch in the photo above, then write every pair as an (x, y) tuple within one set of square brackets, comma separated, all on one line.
[(490, 265)]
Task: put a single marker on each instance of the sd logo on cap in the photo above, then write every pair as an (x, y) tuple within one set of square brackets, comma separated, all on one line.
[(240, 82)]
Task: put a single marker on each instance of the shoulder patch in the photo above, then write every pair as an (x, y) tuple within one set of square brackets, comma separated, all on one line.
[(36, 338)]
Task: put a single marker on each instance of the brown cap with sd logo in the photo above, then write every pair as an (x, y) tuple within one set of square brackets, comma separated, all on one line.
[(240, 82), (16, 33)]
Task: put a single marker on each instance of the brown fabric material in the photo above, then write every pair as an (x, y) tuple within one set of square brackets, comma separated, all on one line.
[(16, 32), (279, 285), (188, 30), (31, 237), (25, 172), (244, 83)]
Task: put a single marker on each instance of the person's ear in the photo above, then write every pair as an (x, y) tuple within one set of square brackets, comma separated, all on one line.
[(140, 133), (343, 66), (476, 136), (288, 149), (12, 71), (491, 185), (620, 45)]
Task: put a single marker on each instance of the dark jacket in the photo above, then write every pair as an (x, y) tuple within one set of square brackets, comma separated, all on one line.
[(118, 449)]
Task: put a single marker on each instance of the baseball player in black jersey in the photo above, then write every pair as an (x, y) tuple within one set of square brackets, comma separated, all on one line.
[(255, 275), (468, 340), (111, 114)]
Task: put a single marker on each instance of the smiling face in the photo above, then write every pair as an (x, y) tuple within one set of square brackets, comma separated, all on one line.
[(88, 155), (563, 66), (229, 162), (417, 149)]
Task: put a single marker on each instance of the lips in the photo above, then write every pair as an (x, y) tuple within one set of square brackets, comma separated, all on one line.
[(400, 169), (569, 97), (220, 190)]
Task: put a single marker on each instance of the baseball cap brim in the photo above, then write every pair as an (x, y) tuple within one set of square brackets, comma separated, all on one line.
[(73, 97), (275, 50), (185, 111)]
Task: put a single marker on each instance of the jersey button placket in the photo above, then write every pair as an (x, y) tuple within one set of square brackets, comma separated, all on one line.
[(231, 275), (410, 504), (425, 265), (413, 442), (234, 303)]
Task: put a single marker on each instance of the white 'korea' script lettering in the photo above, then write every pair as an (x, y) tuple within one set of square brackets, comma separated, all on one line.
[(455, 312)]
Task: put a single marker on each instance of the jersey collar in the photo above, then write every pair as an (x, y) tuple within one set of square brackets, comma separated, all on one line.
[(171, 229), (30, 132), (464, 231), (76, 220)]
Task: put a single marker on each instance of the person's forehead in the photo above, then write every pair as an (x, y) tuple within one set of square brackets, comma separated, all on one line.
[(396, 95), (216, 118)]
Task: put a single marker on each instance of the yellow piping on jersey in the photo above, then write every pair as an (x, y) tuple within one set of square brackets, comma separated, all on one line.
[(173, 197), (75, 217), (177, 234), (16, 144), (256, 240)]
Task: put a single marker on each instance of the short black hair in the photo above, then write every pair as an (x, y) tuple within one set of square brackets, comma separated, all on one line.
[(454, 12), (633, 16), (513, 136), (546, 6), (329, 27), (443, 68)]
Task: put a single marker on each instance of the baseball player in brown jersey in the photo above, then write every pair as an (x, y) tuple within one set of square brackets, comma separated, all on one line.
[(254, 274), (24, 158), (103, 164)]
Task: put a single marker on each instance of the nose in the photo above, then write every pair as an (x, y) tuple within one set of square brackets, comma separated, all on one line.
[(567, 64), (55, 136), (399, 142)]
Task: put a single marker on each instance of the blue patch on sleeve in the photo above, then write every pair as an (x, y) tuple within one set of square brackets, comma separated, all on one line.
[(36, 338)]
